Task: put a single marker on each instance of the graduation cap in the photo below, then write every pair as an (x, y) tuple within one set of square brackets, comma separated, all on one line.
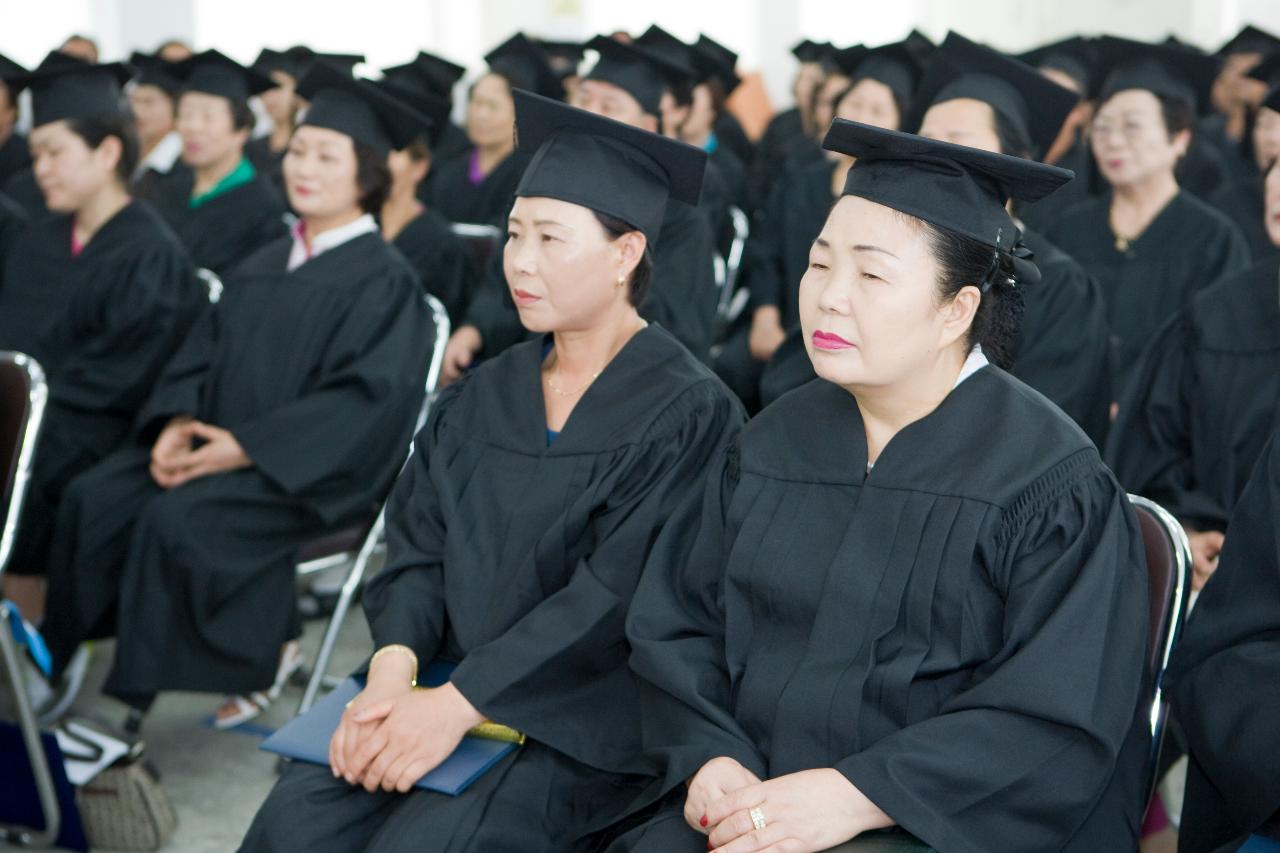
[(63, 87), (430, 105), (955, 187), (1026, 99), (605, 165), (1268, 70), (525, 66), (428, 74), (1272, 100), (896, 65), (1251, 39), (9, 68), (812, 51), (1077, 57), (675, 51), (359, 109), (214, 73), (563, 56), (641, 72), (288, 61), (725, 61), (1161, 69), (155, 71)]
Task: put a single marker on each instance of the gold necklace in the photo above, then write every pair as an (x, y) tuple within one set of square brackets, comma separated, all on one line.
[(555, 389)]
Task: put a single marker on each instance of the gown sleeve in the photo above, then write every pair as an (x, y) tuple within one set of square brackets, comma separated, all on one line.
[(1224, 680), (676, 631), (537, 674), (764, 267), (363, 398), (1019, 759)]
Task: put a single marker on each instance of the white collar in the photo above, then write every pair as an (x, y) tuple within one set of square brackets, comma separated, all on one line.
[(331, 239), (975, 362), (163, 156)]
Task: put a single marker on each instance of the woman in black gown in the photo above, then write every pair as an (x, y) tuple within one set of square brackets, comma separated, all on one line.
[(519, 530), (1242, 200), (99, 291), (912, 594), (1149, 244), (1205, 399), (285, 414)]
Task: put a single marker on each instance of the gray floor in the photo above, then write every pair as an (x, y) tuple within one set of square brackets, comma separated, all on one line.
[(216, 780)]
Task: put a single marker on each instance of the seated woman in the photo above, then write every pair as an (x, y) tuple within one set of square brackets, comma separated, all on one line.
[(436, 254), (285, 413), (477, 186), (1205, 398), (912, 593), (519, 530), (281, 104), (153, 101), (221, 207), (99, 291), (1242, 200), (1224, 679), (1150, 245)]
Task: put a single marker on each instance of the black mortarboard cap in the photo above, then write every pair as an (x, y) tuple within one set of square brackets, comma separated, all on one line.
[(1077, 57), (155, 71), (430, 105), (641, 72), (955, 187), (213, 73), (359, 109), (1251, 39), (812, 51), (1162, 69), (1022, 96), (896, 65), (725, 61), (1268, 70), (605, 165), (525, 66), (676, 52), (9, 68), (430, 74), (563, 56), (63, 87)]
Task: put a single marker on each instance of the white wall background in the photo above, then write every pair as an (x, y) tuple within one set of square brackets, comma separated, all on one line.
[(391, 31)]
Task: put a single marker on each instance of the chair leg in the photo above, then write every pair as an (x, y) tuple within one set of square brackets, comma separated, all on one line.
[(35, 748), (355, 577)]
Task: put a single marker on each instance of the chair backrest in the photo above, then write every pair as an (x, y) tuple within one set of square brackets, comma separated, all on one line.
[(1168, 556), (23, 394), (482, 242)]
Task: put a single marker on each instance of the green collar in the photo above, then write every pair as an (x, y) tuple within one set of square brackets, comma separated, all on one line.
[(243, 173)]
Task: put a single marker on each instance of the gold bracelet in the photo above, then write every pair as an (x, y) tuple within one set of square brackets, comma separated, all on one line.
[(404, 650)]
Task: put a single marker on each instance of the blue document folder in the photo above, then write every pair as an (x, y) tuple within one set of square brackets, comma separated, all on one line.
[(307, 738)]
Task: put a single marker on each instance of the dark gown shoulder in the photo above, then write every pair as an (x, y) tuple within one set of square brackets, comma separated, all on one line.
[(439, 258), (453, 196), (224, 230)]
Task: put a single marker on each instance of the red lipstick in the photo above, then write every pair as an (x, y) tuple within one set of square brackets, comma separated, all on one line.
[(828, 341)]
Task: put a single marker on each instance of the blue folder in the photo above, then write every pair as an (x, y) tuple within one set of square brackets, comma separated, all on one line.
[(307, 737)]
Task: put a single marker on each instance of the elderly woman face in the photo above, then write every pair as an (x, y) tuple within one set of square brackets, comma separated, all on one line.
[(869, 302), (562, 268)]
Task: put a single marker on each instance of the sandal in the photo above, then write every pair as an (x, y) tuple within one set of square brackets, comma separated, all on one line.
[(237, 710)]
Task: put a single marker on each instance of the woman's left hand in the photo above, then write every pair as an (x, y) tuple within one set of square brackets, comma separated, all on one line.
[(419, 730), (806, 811)]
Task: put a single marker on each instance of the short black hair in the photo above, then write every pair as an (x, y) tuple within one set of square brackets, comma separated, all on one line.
[(1013, 139), (963, 261), (95, 130), (373, 176), (642, 275), (241, 115), (901, 104), (1177, 113)]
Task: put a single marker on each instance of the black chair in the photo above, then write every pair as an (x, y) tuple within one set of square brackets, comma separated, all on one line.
[(729, 304), (1169, 583), (358, 543), (23, 394), (482, 242)]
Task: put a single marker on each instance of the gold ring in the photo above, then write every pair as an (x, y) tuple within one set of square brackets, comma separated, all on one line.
[(757, 818)]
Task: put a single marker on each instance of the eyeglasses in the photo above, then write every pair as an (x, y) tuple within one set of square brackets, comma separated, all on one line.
[(1128, 130)]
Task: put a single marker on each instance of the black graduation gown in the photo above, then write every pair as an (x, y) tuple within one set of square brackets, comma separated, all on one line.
[(1224, 679), (1186, 248), (22, 188), (451, 194), (13, 219), (961, 632), (731, 135), (1061, 349), (102, 325), (1244, 204), (319, 375), (227, 229), (269, 163), (518, 560), (767, 162), (1205, 399), (439, 258), (15, 155), (682, 295), (1203, 169)]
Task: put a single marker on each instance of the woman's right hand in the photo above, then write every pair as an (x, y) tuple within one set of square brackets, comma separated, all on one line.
[(766, 333), (718, 777), (343, 746), (464, 344)]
